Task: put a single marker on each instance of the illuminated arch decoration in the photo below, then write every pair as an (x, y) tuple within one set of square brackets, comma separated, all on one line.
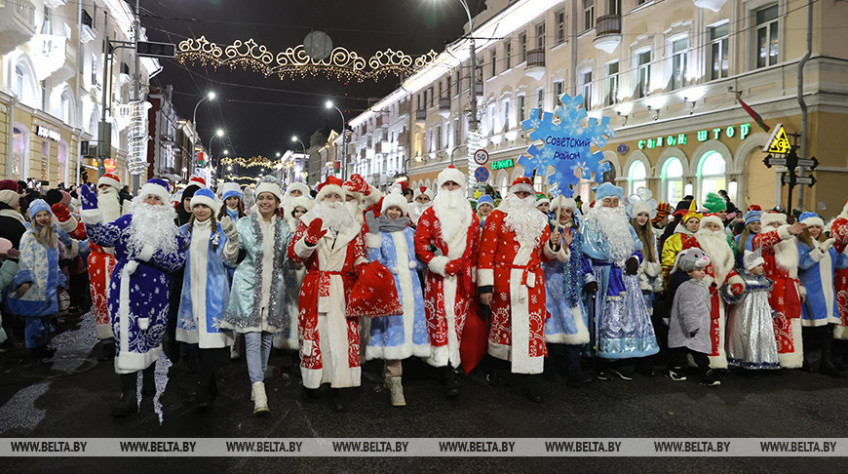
[(251, 162), (342, 64)]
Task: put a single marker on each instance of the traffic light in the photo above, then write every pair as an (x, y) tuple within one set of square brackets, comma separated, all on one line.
[(153, 49)]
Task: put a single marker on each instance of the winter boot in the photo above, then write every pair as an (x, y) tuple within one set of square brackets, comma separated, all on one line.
[(452, 383), (532, 388), (260, 400), (128, 405), (396, 391), (827, 366), (107, 350), (550, 368), (337, 400), (576, 377)]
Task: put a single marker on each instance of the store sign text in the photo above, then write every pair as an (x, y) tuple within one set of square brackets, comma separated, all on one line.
[(45, 132), (498, 165), (702, 136), (567, 148)]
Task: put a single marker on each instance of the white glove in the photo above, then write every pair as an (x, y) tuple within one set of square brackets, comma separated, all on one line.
[(131, 266), (827, 244), (143, 323), (146, 253), (229, 228)]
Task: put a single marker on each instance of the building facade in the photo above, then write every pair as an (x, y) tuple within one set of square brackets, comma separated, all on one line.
[(53, 93), (668, 73)]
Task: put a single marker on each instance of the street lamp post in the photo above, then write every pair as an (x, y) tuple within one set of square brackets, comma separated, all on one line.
[(294, 138), (472, 79), (329, 105), (218, 134), (209, 96)]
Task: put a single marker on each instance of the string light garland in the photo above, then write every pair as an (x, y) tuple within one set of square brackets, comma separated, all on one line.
[(342, 64), (250, 162)]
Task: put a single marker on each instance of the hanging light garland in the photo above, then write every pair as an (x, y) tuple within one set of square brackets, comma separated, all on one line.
[(250, 162), (341, 64)]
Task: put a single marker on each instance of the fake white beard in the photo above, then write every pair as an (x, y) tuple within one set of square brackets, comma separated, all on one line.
[(334, 215), (416, 209), (613, 224), (527, 225), (153, 225), (354, 208), (109, 204), (453, 212), (714, 244), (786, 255)]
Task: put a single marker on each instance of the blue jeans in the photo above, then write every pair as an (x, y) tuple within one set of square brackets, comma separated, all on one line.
[(257, 348)]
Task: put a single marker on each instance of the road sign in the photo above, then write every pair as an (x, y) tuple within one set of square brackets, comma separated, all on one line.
[(812, 163), (778, 142), (482, 174), (792, 179), (770, 161), (481, 157), (153, 49)]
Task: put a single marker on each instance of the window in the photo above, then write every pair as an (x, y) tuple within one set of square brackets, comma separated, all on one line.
[(18, 86), (559, 18), (431, 96), (559, 89), (711, 174), (540, 35), (540, 99), (767, 37), (492, 119), (586, 89), (522, 41), (718, 51), (614, 7), (438, 137), (449, 85), (612, 83), (94, 69), (637, 177), (65, 108), (507, 55), (522, 108), (588, 14), (494, 58), (643, 73), (673, 181), (679, 53), (505, 107)]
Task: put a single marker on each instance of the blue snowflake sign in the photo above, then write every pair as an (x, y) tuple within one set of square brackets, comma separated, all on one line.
[(566, 145)]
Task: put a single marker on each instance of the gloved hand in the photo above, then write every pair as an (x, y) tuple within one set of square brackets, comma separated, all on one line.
[(61, 212), (314, 231), (371, 221), (131, 266), (737, 288), (452, 268), (827, 244), (631, 266), (694, 333), (88, 197), (143, 323), (229, 228), (591, 287), (14, 254)]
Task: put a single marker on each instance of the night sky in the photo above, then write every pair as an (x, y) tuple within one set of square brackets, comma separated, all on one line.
[(261, 114)]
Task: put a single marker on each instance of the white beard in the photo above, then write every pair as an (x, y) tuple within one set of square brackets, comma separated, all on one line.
[(334, 215), (416, 209), (355, 210), (109, 204), (613, 224), (153, 225), (714, 244), (453, 213), (527, 225), (786, 255)]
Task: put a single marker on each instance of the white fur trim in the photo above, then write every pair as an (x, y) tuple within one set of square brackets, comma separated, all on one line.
[(373, 241), (268, 187), (522, 187), (566, 203), (548, 251), (769, 217), (564, 254), (802, 290), (485, 277), (438, 264), (840, 332), (711, 219), (109, 181), (304, 189), (783, 232), (395, 200), (146, 253), (795, 359), (640, 208), (69, 225), (330, 189), (104, 331), (91, 216), (709, 280), (582, 336), (736, 279), (156, 190), (811, 221), (816, 255), (213, 204), (450, 174), (302, 250)]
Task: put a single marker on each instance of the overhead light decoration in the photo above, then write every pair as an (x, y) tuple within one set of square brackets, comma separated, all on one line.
[(250, 162), (341, 64)]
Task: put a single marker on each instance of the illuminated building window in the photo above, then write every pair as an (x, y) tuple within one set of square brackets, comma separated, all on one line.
[(637, 177), (672, 179), (711, 175)]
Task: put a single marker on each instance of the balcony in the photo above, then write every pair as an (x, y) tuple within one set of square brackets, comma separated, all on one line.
[(535, 63), (445, 106), (403, 139), (421, 115), (47, 53), (405, 108), (87, 32), (383, 120), (712, 5), (608, 33), (17, 25), (378, 147)]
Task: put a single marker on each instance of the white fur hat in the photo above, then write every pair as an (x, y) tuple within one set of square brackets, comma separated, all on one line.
[(207, 198), (110, 179), (269, 187), (396, 200), (422, 190), (156, 187), (565, 203), (300, 201), (332, 185), (811, 219), (771, 217), (711, 218), (450, 174), (753, 259), (304, 189)]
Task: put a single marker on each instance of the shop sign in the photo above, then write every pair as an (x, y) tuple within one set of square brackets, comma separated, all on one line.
[(499, 165), (109, 165), (701, 135), (50, 134)]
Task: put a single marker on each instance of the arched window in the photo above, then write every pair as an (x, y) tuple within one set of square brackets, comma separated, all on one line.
[(672, 176), (20, 152), (637, 177), (20, 81), (711, 177)]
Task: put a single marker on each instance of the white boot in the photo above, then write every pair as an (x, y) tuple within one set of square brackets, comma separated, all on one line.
[(260, 400), (396, 392)]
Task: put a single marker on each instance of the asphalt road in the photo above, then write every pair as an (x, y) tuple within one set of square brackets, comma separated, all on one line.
[(70, 396)]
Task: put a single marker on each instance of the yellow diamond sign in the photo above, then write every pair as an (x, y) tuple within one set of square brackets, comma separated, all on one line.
[(778, 142)]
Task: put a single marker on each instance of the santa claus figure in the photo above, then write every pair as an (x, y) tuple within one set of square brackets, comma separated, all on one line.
[(328, 242), (712, 239), (839, 231), (361, 197), (779, 246), (421, 200), (512, 249), (148, 249), (447, 241)]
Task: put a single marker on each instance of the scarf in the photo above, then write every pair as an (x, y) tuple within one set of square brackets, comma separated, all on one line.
[(392, 225)]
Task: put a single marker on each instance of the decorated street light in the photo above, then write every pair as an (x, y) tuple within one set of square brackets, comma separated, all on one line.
[(329, 105)]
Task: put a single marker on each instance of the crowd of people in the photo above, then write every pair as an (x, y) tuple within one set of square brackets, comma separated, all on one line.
[(523, 287)]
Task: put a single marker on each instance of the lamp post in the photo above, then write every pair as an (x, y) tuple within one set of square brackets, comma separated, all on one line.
[(294, 138), (209, 96), (218, 134), (329, 105), (472, 79)]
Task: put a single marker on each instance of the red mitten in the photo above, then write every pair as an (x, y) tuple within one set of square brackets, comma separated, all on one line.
[(314, 231), (737, 288), (452, 268), (61, 212)]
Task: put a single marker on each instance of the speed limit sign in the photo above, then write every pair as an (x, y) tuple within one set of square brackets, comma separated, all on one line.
[(481, 157)]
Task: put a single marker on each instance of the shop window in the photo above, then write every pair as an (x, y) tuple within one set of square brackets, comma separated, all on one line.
[(768, 38), (637, 177), (711, 177), (62, 158), (672, 177), (20, 164)]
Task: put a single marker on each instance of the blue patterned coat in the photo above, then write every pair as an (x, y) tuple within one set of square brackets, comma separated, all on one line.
[(402, 336), (815, 270), (39, 266), (145, 294), (567, 321)]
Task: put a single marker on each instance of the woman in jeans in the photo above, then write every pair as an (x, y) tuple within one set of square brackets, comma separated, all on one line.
[(257, 305)]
